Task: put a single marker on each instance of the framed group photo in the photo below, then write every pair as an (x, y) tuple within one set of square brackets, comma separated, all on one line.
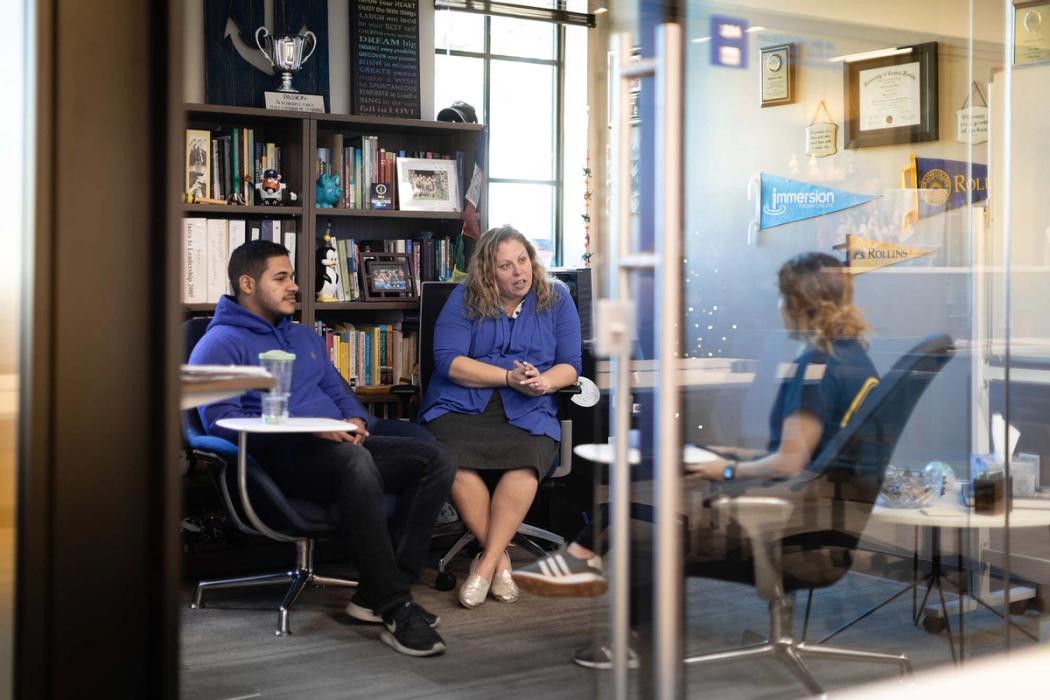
[(891, 99), (427, 184)]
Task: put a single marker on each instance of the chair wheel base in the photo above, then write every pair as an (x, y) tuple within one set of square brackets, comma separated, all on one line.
[(934, 625), (197, 606), (445, 581)]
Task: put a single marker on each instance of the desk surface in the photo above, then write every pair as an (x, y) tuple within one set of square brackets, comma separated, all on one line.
[(603, 454), (202, 385), (950, 511), (292, 425)]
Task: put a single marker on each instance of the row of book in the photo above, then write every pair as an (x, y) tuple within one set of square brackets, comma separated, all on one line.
[(372, 354), (431, 260), (207, 245), (227, 162), (362, 164)]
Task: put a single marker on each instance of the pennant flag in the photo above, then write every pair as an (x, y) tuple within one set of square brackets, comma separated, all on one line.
[(863, 254), (942, 184), (783, 201)]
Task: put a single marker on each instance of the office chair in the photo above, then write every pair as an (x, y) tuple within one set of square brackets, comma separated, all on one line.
[(800, 533), (433, 296), (298, 521)]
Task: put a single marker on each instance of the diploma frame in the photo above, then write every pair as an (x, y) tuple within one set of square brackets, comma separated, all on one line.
[(784, 55), (926, 130)]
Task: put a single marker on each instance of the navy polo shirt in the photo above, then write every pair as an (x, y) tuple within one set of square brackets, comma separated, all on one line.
[(829, 387)]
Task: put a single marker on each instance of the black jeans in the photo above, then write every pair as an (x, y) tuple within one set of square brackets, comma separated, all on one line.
[(354, 479)]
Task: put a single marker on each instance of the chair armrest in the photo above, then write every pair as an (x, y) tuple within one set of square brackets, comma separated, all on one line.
[(763, 520)]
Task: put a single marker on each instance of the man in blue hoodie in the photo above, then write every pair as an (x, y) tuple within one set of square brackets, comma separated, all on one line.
[(350, 470)]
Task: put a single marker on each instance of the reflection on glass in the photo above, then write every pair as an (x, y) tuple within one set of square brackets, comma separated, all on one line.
[(459, 78), (12, 160), (524, 38), (528, 208), (459, 31), (521, 136)]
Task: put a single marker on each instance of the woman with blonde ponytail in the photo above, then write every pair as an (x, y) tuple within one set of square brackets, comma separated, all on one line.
[(830, 379)]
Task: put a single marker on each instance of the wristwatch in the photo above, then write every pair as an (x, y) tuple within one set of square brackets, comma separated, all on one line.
[(729, 471)]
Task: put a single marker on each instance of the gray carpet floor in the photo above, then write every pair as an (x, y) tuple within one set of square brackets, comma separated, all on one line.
[(523, 650)]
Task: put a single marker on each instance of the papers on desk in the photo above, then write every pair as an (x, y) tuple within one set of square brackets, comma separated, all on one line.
[(205, 373), (942, 511)]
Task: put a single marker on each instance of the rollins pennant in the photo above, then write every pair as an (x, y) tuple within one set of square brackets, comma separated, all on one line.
[(863, 254), (784, 201), (941, 184)]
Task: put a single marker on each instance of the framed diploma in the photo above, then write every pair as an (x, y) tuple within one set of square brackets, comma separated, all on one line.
[(892, 99), (1031, 32), (777, 67)]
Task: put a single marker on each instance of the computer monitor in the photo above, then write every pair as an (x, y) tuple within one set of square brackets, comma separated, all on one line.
[(579, 283)]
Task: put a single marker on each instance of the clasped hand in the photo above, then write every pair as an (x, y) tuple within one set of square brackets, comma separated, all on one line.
[(354, 438), (528, 380)]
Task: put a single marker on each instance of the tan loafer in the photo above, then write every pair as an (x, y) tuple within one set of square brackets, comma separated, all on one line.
[(503, 587), (474, 590)]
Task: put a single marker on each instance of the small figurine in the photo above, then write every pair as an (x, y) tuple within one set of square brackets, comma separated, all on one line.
[(327, 286), (328, 192), (271, 189)]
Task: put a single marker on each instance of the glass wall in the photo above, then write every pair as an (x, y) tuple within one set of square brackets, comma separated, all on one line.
[(862, 341), (12, 156)]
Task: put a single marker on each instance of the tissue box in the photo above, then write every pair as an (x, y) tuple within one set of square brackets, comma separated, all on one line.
[(1024, 469)]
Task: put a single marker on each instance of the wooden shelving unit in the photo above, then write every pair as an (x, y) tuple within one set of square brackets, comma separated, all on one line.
[(298, 134)]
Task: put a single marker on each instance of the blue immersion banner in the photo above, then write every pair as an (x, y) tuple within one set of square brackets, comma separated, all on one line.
[(784, 201)]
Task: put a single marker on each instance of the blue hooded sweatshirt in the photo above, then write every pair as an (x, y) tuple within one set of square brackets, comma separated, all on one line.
[(236, 336)]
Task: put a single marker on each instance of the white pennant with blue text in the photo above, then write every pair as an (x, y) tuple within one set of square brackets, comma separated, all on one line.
[(783, 201)]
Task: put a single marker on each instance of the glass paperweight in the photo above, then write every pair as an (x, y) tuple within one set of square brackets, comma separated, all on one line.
[(904, 487), (946, 472)]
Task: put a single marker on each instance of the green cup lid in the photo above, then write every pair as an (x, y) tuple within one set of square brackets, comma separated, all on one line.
[(276, 355)]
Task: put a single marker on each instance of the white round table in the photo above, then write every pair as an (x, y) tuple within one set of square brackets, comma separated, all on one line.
[(244, 426)]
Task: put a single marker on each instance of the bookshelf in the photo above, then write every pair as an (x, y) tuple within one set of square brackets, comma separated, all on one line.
[(299, 135)]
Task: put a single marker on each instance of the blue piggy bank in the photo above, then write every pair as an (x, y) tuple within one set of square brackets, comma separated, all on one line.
[(328, 192)]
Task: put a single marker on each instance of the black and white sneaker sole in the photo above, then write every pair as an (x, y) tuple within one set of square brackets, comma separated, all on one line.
[(605, 664), (576, 585), (389, 639), (363, 614)]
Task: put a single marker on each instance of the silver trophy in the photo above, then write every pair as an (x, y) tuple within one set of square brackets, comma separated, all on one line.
[(285, 53)]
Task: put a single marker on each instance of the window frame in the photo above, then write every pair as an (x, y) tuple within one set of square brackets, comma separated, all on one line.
[(557, 118)]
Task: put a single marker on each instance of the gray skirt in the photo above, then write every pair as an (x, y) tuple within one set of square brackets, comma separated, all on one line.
[(488, 442)]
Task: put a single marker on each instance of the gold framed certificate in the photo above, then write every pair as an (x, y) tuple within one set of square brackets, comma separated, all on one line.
[(1031, 32), (777, 67), (892, 99)]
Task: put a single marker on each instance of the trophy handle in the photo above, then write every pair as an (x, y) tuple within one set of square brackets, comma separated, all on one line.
[(265, 35), (313, 46)]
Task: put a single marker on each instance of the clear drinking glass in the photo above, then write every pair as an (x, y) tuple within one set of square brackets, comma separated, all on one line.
[(275, 402)]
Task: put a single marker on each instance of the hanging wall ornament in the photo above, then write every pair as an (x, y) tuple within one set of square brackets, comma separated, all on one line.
[(971, 123), (821, 137)]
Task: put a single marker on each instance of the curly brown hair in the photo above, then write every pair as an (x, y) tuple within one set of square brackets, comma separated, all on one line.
[(818, 294), (481, 294)]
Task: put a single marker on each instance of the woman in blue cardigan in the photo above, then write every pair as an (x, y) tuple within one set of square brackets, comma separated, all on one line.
[(507, 338)]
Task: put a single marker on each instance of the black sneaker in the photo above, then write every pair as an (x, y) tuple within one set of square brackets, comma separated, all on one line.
[(407, 631), (362, 611), (599, 656), (561, 574)]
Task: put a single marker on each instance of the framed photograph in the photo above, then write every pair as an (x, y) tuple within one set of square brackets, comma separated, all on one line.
[(387, 276), (777, 66), (427, 184), (1031, 32), (198, 162), (892, 99)]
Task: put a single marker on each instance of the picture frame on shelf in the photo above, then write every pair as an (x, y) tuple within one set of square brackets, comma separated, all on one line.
[(892, 98), (427, 184), (388, 277), (198, 163)]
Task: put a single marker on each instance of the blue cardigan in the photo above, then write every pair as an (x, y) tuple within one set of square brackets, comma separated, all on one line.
[(236, 336), (545, 339)]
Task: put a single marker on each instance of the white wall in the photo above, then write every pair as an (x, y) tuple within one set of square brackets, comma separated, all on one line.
[(338, 45)]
